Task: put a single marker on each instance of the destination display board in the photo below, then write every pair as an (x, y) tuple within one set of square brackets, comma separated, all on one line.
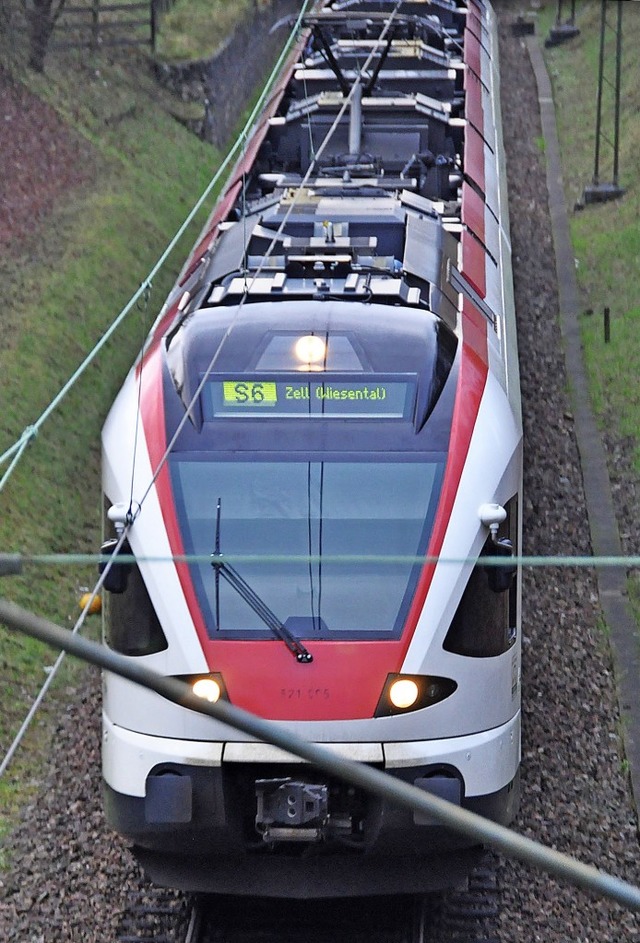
[(374, 396)]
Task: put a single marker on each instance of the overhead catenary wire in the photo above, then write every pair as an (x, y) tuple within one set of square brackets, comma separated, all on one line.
[(276, 236), (12, 563), (29, 433), (373, 780), (16, 451), (135, 507), (553, 561)]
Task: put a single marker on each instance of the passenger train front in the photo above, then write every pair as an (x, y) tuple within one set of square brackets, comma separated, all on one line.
[(312, 462)]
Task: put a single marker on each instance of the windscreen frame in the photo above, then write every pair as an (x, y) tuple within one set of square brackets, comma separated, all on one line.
[(202, 582)]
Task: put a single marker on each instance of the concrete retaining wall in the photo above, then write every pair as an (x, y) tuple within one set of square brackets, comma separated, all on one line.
[(226, 82)]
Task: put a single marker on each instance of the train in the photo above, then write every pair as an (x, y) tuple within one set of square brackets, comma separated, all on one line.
[(313, 474)]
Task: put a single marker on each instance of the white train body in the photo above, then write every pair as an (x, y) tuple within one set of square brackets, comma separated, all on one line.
[(333, 503)]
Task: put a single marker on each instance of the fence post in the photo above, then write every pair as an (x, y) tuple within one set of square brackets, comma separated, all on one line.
[(95, 24), (154, 25)]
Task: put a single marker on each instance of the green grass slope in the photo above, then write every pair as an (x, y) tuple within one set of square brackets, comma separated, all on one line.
[(606, 236), (59, 293)]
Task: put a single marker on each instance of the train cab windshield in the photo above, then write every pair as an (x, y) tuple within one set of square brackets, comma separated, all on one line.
[(313, 467), (329, 546)]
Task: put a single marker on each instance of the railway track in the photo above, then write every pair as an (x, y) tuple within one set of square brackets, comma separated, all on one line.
[(156, 915)]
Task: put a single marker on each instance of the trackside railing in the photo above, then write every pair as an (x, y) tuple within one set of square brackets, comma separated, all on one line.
[(96, 25)]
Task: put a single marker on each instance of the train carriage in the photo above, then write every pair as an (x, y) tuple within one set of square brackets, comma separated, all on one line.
[(325, 430)]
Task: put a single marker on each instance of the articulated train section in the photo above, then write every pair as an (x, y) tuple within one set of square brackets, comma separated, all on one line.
[(326, 421)]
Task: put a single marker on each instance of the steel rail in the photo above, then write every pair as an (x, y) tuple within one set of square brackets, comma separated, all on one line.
[(403, 794)]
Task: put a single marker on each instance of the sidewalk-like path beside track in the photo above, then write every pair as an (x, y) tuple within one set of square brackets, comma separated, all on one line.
[(605, 536)]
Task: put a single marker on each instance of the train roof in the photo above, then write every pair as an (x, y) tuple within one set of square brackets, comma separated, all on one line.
[(364, 210), (351, 181)]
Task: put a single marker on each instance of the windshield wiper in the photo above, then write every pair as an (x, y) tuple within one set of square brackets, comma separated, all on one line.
[(233, 578)]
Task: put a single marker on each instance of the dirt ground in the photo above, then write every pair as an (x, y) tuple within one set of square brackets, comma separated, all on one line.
[(41, 159)]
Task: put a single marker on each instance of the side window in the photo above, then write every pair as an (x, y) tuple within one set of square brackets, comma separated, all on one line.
[(485, 622), (131, 623)]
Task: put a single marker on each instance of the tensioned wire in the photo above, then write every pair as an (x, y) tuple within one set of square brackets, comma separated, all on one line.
[(57, 559), (11, 563), (131, 514), (17, 449), (623, 893), (276, 236)]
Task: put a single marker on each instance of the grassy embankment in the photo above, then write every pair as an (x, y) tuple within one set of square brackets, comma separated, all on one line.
[(606, 236), (192, 28), (59, 294)]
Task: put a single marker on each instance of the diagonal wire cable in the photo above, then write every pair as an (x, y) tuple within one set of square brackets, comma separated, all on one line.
[(143, 291), (373, 780), (18, 448), (17, 740), (299, 190)]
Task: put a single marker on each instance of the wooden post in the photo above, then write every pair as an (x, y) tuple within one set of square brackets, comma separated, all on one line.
[(154, 25), (95, 24)]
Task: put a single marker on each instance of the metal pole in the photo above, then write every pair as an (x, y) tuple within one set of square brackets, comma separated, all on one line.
[(153, 23), (358, 774), (95, 24), (616, 136), (355, 122), (603, 19)]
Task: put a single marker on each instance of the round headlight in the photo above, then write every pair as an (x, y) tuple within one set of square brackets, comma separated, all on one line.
[(403, 693), (206, 688)]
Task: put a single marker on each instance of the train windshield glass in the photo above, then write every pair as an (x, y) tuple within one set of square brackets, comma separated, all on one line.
[(347, 524)]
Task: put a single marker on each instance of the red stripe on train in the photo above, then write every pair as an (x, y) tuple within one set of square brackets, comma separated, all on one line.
[(346, 678)]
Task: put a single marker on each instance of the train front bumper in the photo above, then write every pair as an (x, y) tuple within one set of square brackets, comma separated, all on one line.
[(247, 818)]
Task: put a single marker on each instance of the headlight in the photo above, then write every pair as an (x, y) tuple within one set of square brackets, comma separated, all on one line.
[(206, 688), (404, 693), (210, 687)]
